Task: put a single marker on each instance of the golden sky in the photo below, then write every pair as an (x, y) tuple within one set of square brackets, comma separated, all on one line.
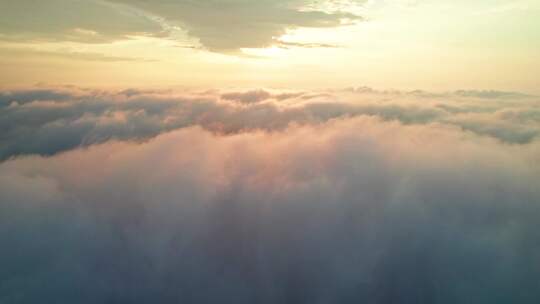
[(424, 44)]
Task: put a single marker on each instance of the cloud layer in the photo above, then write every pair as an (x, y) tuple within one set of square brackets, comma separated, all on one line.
[(358, 209), (47, 121)]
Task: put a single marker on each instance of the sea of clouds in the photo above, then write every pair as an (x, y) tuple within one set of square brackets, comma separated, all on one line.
[(269, 196)]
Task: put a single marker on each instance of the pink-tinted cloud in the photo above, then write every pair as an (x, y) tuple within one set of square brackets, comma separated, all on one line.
[(48, 121), (350, 210)]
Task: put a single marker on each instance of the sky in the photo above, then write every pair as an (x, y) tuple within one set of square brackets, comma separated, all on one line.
[(270, 151), (402, 44)]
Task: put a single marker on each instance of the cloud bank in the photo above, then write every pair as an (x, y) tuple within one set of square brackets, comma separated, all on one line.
[(47, 121), (347, 211), (349, 196)]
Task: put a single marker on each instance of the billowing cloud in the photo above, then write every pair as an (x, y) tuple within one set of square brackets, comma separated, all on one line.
[(247, 97), (490, 94), (259, 95), (353, 210), (47, 121)]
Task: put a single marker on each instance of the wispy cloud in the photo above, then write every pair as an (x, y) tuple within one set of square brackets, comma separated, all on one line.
[(77, 20), (227, 26), (25, 52), (232, 25)]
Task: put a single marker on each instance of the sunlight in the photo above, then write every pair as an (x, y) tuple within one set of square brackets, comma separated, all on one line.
[(269, 52)]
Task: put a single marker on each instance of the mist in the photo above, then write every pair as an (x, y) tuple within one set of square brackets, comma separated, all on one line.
[(346, 210)]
